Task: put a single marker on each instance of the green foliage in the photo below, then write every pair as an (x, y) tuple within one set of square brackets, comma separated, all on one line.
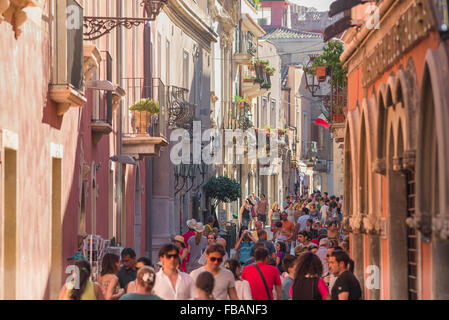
[(331, 57), (146, 105), (222, 189)]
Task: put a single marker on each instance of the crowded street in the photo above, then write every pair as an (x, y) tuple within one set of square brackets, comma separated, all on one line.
[(243, 151)]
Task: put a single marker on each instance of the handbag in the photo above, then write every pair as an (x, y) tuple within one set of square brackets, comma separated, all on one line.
[(264, 282)]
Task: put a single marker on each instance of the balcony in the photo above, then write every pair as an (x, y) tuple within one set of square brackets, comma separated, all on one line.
[(247, 50), (101, 122), (255, 81), (144, 127), (321, 166), (180, 112)]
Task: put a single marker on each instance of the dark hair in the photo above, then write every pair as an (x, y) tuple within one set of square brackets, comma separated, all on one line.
[(128, 252), (258, 245), (146, 282), (84, 269), (279, 224), (166, 248), (309, 265), (282, 246), (306, 234), (242, 229), (335, 244), (310, 220), (288, 261), (212, 234), (263, 194), (260, 254), (232, 265), (215, 247), (146, 261), (340, 256), (261, 233), (210, 219), (109, 264), (351, 265), (206, 282)]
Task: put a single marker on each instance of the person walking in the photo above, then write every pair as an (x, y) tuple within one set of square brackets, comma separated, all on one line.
[(243, 246), (128, 271), (145, 281), (224, 279), (245, 213), (263, 210), (183, 252), (141, 262), (196, 247), (308, 284), (346, 287), (268, 244), (108, 280), (275, 215), (171, 283), (281, 251), (262, 277), (288, 264), (81, 288), (322, 254), (288, 230), (205, 283), (190, 233), (241, 286)]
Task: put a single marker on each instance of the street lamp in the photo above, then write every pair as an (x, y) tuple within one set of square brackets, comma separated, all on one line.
[(153, 7)]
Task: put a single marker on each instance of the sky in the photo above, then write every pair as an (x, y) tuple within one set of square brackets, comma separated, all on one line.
[(321, 5)]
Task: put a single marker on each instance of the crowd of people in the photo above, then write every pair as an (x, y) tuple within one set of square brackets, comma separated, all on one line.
[(303, 256)]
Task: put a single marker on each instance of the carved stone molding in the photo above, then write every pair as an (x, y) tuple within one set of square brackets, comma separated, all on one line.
[(92, 59), (356, 223), (412, 26), (397, 164), (66, 97), (421, 221), (440, 227), (409, 160), (13, 13), (380, 166), (371, 224)]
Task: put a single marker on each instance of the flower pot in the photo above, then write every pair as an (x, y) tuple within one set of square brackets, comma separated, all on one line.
[(142, 122)]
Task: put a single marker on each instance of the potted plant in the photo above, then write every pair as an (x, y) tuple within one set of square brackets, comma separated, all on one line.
[(142, 112), (270, 71)]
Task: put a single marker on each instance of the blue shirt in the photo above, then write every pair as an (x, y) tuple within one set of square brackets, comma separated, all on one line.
[(245, 251), (286, 288)]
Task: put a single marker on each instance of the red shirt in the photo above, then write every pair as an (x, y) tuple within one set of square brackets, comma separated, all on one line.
[(258, 290), (187, 236)]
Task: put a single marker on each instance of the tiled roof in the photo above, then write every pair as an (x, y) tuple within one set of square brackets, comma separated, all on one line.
[(285, 33)]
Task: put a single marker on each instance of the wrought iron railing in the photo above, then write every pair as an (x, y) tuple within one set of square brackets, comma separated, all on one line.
[(180, 111), (147, 107), (248, 44)]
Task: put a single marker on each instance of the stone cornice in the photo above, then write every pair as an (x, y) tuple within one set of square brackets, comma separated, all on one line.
[(403, 25), (191, 23)]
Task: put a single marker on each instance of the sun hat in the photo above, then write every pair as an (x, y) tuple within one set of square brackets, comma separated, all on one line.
[(180, 239), (199, 227), (191, 223)]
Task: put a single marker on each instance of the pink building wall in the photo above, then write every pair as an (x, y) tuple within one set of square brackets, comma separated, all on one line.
[(277, 12)]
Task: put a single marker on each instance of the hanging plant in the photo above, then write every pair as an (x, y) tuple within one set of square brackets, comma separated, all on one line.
[(147, 105)]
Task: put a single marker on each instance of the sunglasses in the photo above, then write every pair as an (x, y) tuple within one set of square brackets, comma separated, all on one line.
[(213, 259), (171, 256)]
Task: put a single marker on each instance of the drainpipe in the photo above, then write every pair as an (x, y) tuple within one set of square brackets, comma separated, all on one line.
[(148, 72)]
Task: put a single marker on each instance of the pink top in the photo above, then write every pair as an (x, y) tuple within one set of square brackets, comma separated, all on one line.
[(187, 236), (321, 287)]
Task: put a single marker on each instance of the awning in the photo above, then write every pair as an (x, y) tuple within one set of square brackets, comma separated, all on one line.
[(124, 159)]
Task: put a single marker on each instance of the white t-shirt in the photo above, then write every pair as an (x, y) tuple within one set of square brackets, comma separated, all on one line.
[(185, 287), (243, 290), (323, 211), (224, 280)]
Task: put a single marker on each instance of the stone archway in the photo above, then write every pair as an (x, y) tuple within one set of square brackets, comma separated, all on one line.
[(432, 214)]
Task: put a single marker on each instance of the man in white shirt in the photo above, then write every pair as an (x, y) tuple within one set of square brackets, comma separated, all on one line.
[(322, 254), (171, 283), (224, 279)]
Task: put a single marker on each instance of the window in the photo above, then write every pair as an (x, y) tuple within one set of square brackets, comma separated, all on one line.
[(273, 114), (284, 18), (264, 16)]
